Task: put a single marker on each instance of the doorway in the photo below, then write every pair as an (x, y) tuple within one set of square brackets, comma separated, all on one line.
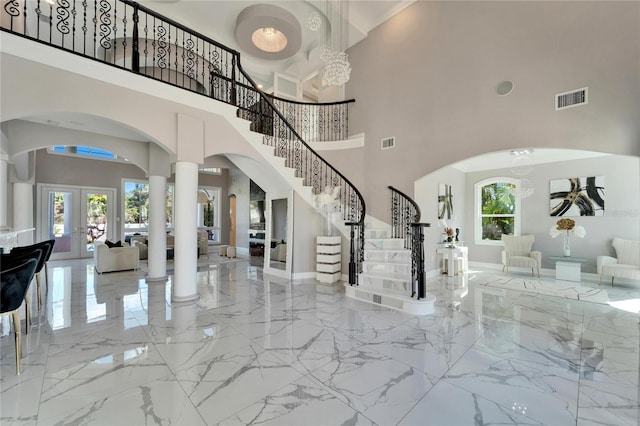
[(76, 218)]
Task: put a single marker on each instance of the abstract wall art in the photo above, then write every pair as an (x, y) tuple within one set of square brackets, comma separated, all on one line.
[(580, 196), (445, 201)]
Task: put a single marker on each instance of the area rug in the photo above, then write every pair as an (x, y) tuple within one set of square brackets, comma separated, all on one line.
[(548, 288)]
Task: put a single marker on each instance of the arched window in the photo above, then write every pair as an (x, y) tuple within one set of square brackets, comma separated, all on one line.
[(497, 210)]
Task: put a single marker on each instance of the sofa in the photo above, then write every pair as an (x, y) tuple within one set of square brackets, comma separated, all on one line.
[(141, 243), (626, 264), (115, 258)]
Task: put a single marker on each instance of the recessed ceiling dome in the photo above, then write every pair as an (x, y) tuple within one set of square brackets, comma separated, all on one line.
[(268, 32)]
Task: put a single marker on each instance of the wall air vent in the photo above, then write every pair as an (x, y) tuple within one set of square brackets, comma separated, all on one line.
[(389, 142), (572, 99)]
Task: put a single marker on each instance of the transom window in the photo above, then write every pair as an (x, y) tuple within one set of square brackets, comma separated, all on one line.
[(497, 210)]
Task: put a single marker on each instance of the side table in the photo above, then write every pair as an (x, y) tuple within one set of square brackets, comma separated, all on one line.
[(451, 253), (568, 267)]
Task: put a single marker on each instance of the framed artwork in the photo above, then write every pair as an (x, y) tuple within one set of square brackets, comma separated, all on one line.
[(580, 196), (445, 202)]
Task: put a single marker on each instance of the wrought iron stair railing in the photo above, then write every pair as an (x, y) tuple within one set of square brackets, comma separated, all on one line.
[(129, 36), (405, 223)]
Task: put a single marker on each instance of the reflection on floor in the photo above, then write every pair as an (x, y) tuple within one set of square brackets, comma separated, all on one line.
[(112, 349)]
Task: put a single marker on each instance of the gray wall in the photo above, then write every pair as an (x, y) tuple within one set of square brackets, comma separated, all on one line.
[(428, 77)]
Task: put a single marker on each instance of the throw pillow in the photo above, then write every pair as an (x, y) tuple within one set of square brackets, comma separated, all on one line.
[(111, 245)]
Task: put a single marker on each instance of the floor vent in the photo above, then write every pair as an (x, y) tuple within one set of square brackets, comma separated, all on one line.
[(388, 142), (572, 99)]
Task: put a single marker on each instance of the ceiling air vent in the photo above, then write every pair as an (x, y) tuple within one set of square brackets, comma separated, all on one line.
[(572, 99), (389, 142)]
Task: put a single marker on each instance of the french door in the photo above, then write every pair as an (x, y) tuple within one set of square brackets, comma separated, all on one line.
[(76, 217)]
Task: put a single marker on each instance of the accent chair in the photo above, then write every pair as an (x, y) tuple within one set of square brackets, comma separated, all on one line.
[(517, 253)]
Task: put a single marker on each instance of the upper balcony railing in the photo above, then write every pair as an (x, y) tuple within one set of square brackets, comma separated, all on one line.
[(129, 36)]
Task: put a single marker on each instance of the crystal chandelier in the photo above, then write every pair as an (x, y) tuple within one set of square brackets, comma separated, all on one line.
[(314, 22), (522, 165), (337, 69)]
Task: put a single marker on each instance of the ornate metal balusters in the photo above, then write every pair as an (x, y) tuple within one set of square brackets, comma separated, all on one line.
[(405, 223)]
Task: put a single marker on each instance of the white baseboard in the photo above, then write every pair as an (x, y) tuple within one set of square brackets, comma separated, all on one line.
[(303, 275)]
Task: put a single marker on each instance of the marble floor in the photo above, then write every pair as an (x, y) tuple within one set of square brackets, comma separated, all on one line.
[(114, 350)]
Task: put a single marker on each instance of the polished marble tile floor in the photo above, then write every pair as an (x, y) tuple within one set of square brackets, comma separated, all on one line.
[(254, 349)]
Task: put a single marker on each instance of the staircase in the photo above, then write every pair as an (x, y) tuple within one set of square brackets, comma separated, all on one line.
[(129, 36), (386, 277)]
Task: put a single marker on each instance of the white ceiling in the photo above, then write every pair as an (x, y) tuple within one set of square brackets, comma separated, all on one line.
[(217, 19)]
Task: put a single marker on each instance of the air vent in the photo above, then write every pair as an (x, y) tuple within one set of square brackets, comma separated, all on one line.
[(572, 99), (389, 142)]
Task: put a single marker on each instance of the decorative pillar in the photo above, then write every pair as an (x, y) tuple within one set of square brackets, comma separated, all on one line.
[(23, 211), (157, 254), (185, 286)]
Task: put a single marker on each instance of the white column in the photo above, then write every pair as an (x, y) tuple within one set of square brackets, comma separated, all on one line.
[(157, 256), (185, 286), (3, 191), (23, 211)]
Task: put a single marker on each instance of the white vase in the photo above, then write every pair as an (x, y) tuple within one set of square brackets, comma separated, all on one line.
[(328, 228), (566, 248)]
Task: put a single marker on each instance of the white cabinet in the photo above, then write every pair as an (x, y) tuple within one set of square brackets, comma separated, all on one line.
[(328, 258)]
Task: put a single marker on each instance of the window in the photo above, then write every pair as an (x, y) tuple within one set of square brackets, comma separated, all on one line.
[(498, 210), (136, 206), (85, 151)]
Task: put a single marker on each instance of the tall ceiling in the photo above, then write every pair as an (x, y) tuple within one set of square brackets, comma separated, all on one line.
[(217, 20)]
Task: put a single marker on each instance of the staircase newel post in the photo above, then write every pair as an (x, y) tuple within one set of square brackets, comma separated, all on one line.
[(352, 255), (135, 55), (418, 255)]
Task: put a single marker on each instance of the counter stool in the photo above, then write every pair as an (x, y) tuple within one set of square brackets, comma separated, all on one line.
[(231, 252), (223, 250)]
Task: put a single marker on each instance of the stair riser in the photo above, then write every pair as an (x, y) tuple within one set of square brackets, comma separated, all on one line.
[(376, 233), (378, 283), (387, 257), (389, 244), (386, 268)]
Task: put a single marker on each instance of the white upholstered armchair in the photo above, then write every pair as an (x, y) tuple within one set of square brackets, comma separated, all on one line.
[(625, 265), (517, 252)]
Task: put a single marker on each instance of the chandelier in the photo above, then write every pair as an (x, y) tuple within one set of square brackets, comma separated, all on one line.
[(337, 69), (521, 166), (314, 22)]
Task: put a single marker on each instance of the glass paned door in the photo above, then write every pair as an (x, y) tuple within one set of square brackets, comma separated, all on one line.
[(76, 218), (96, 212), (60, 218)]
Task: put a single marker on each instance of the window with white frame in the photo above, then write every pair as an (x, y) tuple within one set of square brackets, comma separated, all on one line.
[(136, 206), (497, 210)]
